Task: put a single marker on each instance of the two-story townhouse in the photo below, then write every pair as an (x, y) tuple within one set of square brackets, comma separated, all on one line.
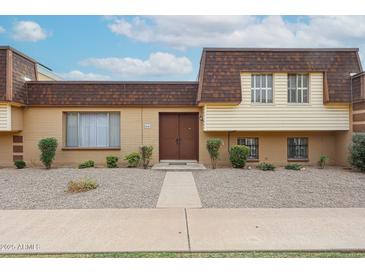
[(285, 104)]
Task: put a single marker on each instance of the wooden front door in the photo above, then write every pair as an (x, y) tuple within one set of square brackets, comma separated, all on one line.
[(179, 136)]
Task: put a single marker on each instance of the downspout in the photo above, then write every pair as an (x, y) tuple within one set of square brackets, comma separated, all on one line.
[(229, 141)]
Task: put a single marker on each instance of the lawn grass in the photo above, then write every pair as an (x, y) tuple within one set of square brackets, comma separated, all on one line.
[(245, 254)]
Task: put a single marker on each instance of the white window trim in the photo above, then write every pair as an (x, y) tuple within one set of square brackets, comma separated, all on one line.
[(266, 89), (302, 88)]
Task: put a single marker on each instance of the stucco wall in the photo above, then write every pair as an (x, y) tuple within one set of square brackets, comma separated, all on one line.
[(273, 146), (6, 149), (48, 122)]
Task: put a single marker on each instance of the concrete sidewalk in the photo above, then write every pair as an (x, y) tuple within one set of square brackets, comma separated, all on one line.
[(179, 190), (112, 230)]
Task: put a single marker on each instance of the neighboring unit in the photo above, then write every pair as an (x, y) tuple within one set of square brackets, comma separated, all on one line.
[(286, 105)]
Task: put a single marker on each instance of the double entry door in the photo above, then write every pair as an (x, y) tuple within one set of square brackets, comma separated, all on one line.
[(179, 136)]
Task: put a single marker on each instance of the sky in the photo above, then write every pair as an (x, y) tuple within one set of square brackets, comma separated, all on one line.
[(163, 47)]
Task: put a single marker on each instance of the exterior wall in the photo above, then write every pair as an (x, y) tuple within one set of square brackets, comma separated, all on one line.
[(359, 116), (273, 146), (343, 141), (6, 149), (3, 69), (5, 117), (11, 118), (48, 122), (42, 77), (280, 115), (16, 118)]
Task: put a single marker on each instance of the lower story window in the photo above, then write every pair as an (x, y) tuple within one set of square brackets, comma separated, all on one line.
[(252, 144), (93, 129), (297, 148)]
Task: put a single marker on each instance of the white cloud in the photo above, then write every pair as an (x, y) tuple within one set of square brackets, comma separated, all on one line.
[(158, 64), (28, 31), (78, 75), (243, 31), (2, 29)]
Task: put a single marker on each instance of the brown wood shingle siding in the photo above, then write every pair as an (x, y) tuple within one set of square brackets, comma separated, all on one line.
[(22, 67), (358, 87), (2, 74), (220, 81), (117, 93)]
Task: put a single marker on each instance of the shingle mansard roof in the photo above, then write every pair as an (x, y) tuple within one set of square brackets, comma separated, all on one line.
[(219, 76), (218, 80)]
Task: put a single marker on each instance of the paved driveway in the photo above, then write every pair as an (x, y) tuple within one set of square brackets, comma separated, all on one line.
[(313, 187)]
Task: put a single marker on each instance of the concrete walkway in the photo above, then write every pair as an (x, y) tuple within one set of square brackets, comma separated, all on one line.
[(179, 190), (112, 230)]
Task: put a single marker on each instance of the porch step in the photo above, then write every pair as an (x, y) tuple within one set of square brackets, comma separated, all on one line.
[(178, 161), (178, 165)]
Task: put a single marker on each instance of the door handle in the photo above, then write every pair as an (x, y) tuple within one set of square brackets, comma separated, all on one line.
[(177, 140)]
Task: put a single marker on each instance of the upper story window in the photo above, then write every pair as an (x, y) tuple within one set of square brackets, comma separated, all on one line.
[(261, 88), (93, 129), (298, 91)]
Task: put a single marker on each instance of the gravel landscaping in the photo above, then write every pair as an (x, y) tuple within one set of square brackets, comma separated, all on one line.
[(313, 187), (33, 188)]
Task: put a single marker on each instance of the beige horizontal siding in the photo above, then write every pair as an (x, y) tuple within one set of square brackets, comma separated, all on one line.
[(280, 115), (5, 118)]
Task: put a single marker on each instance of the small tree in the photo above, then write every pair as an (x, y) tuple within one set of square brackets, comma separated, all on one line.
[(48, 147), (146, 155), (357, 151), (213, 146), (238, 155)]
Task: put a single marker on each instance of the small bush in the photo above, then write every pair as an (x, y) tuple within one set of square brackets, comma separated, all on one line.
[(213, 146), (133, 159), (238, 155), (146, 155), (266, 166), (81, 185), (87, 164), (294, 166), (322, 161), (19, 164), (48, 147), (112, 161), (357, 152)]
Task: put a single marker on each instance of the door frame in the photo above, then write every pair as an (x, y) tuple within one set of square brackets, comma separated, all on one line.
[(196, 125)]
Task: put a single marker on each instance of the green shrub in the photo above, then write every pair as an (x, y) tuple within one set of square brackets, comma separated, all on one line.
[(266, 166), (238, 155), (357, 152), (81, 185), (322, 161), (112, 161), (48, 147), (87, 164), (19, 164), (146, 155), (294, 166), (133, 159), (213, 146)]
